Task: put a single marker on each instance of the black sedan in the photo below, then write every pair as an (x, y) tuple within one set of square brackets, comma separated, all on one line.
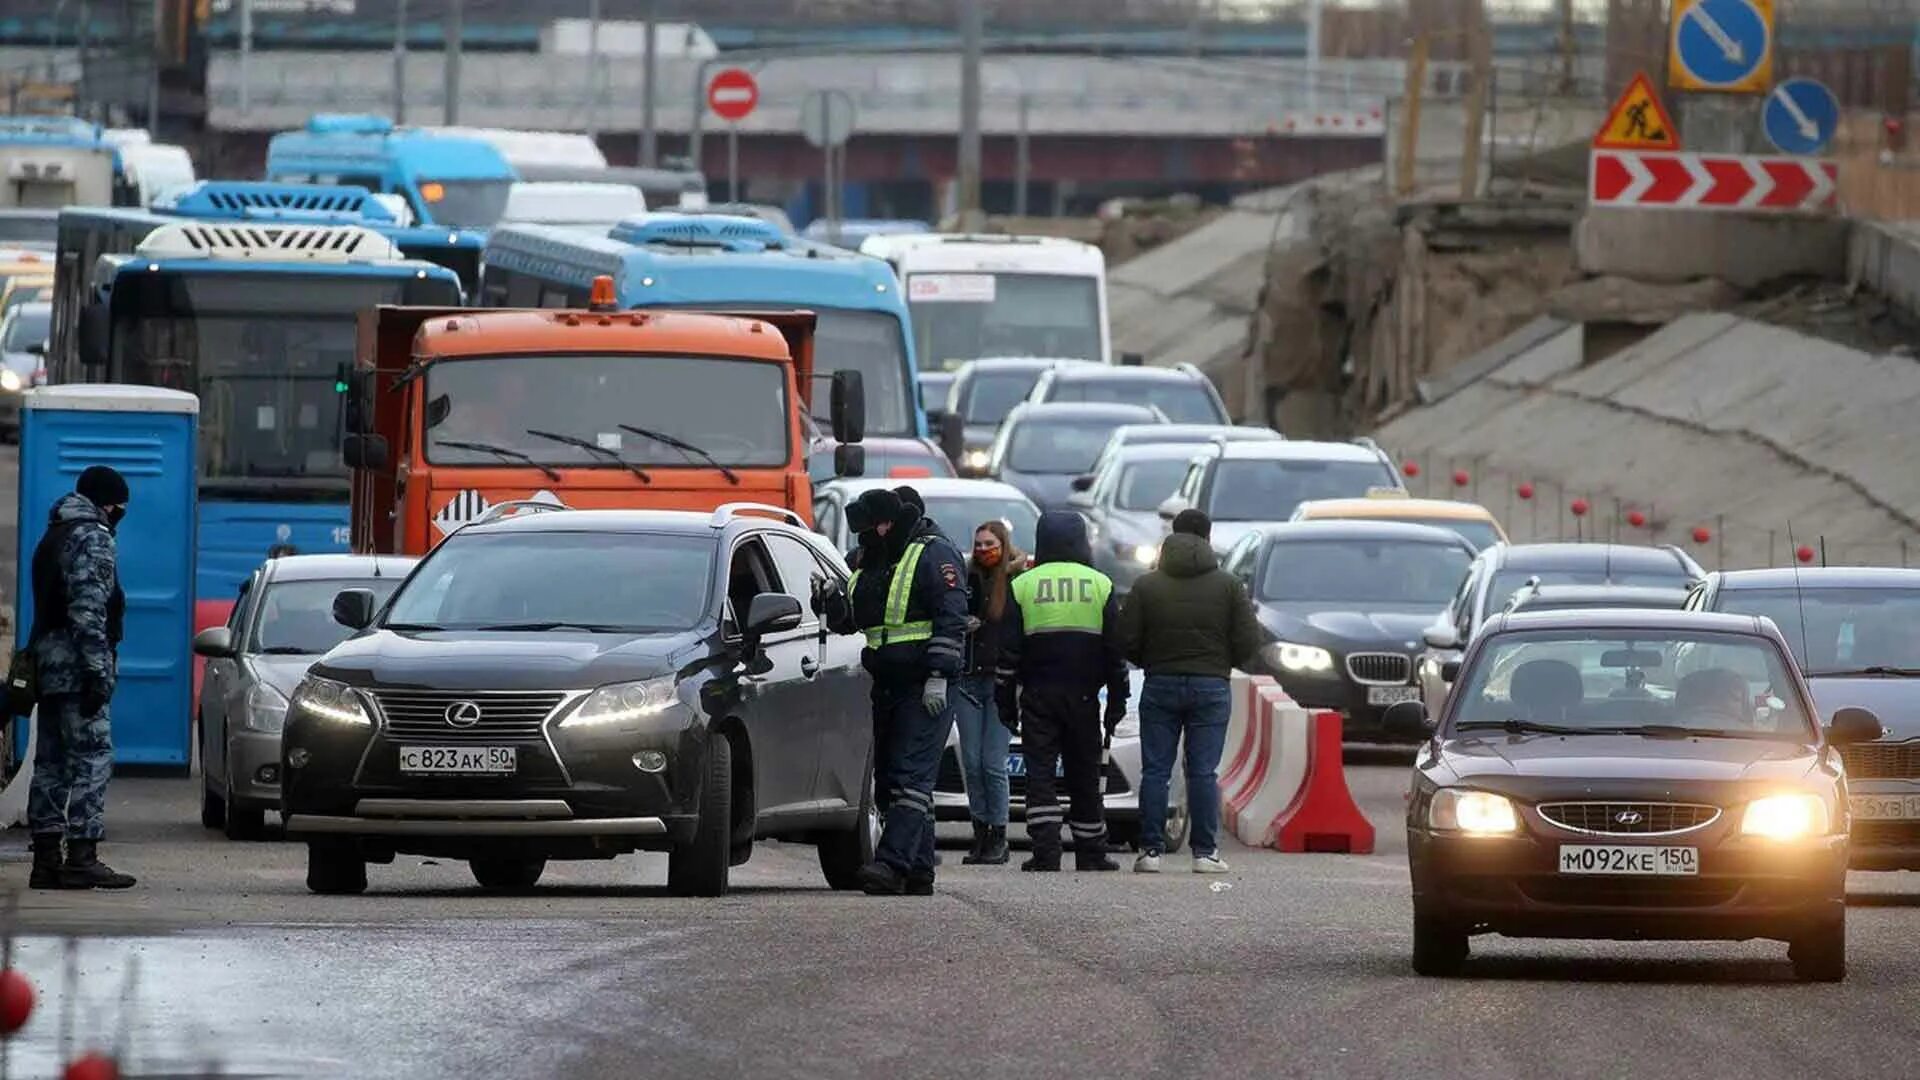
[(1342, 603), (1628, 775)]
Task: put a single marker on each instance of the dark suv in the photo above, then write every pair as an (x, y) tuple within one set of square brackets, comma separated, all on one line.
[(581, 684)]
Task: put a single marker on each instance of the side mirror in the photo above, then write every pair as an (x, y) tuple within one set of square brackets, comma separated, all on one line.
[(1172, 507), (364, 451), (1132, 359), (1853, 725), (848, 407), (953, 437), (1449, 671), (38, 348), (1441, 637), (214, 643), (771, 613), (1083, 483), (850, 460), (353, 608), (96, 326), (1408, 720)]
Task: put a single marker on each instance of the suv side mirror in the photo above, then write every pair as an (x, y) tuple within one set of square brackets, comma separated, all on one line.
[(1441, 637), (1853, 725), (771, 613), (38, 348), (850, 460), (353, 608), (1408, 720), (214, 643), (848, 407), (1083, 483), (1449, 671), (96, 326), (364, 451), (1172, 507)]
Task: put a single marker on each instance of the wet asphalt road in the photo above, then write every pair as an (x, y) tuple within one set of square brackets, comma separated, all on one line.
[(1291, 966)]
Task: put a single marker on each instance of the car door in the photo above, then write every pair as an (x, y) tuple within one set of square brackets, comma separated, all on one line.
[(776, 698), (222, 690), (840, 693), (1458, 617)]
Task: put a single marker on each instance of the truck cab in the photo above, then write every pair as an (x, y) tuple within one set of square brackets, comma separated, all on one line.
[(457, 412)]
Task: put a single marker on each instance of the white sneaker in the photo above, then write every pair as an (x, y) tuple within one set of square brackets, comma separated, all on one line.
[(1209, 864), (1147, 863)]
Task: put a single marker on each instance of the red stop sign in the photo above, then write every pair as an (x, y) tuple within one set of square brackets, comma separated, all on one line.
[(732, 94)]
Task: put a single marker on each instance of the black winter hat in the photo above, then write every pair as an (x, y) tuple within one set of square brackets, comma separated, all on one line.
[(1193, 523), (871, 508), (911, 497), (101, 485)]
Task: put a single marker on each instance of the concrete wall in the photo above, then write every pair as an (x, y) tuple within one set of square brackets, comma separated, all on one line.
[(1681, 245), (1885, 258)]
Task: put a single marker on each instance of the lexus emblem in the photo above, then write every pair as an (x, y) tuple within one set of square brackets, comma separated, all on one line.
[(1624, 817), (463, 714)]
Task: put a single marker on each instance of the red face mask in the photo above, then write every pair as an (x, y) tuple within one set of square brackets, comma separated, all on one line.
[(987, 557)]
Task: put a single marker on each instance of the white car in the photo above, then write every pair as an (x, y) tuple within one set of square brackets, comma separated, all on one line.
[(957, 506), (1121, 790)]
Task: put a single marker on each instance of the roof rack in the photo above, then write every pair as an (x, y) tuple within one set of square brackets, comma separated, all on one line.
[(518, 506), (270, 243), (728, 511)]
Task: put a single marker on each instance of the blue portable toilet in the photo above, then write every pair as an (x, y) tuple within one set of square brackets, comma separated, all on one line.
[(148, 434)]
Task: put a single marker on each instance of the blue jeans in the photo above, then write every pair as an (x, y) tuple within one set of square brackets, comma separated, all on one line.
[(915, 740), (983, 749), (1199, 706)]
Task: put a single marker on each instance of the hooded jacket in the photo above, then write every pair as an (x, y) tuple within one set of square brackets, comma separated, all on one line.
[(77, 603), (1076, 660), (1188, 616), (939, 596)]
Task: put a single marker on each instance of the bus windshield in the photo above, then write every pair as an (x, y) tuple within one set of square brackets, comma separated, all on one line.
[(264, 352), (465, 204), (962, 317), (655, 411)]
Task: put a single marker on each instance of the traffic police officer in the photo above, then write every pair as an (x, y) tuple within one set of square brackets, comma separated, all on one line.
[(909, 597), (1061, 646)]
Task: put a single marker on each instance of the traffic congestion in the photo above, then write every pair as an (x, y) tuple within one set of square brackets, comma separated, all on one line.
[(417, 508)]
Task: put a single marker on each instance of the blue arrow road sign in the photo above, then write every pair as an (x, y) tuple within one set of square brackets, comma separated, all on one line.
[(1801, 116), (1721, 42)]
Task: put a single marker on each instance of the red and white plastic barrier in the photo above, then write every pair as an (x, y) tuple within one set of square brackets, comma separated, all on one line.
[(1283, 783), (1324, 817)]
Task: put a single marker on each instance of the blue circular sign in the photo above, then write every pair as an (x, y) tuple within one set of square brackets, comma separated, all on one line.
[(1721, 42), (1801, 116)]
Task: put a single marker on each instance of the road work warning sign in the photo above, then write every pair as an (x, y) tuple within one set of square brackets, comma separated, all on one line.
[(1638, 121)]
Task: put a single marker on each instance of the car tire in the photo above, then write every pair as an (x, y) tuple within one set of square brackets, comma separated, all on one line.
[(507, 875), (1439, 947), (1178, 828), (335, 868), (1819, 953), (700, 868), (243, 822), (843, 854), (213, 808)]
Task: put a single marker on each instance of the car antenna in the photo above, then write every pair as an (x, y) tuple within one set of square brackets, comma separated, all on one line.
[(1823, 551), (1799, 599)]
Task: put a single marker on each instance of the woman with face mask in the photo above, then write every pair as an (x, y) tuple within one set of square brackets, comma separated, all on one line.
[(983, 739)]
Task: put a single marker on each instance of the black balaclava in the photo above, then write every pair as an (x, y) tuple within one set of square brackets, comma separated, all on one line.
[(103, 486)]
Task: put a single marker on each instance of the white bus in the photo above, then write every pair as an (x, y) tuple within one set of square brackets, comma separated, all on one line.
[(975, 296)]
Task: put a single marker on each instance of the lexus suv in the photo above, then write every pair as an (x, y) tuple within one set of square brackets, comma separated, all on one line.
[(581, 684)]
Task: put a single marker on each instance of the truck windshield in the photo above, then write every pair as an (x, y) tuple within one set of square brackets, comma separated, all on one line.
[(465, 204), (734, 410), (962, 317), (264, 352), (871, 343)]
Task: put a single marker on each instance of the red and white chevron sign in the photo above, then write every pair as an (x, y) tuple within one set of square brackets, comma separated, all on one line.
[(1687, 181)]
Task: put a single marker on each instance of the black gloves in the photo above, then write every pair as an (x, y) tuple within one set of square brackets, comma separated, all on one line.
[(824, 591), (1116, 712)]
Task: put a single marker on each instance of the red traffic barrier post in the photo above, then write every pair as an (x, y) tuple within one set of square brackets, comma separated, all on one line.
[(1325, 818)]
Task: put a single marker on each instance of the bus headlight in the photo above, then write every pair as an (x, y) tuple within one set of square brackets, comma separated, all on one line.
[(1785, 817)]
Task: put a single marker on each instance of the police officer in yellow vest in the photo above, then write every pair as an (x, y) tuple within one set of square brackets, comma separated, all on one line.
[(1062, 645), (909, 596)]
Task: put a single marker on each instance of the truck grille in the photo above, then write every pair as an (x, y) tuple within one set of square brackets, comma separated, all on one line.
[(1882, 761), (512, 715), (1629, 818), (1387, 669)]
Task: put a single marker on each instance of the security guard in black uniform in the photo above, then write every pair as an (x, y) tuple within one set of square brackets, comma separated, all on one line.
[(909, 597), (1061, 646)]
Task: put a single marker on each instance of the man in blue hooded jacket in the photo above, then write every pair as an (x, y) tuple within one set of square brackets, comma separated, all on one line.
[(1061, 645)]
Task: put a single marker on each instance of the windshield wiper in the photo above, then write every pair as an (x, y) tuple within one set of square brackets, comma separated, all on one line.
[(684, 447), (593, 448), (1521, 727), (414, 626), (500, 451), (285, 650), (552, 625), (1880, 670), (1681, 731)]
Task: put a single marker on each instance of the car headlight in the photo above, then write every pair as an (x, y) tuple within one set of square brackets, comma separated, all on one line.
[(1476, 813), (1291, 657), (335, 702), (266, 710), (9, 379), (975, 459), (1785, 817), (624, 703)]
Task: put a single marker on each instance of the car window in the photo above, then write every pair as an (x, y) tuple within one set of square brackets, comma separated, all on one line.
[(1058, 446), (826, 519), (1507, 582), (1185, 401), (1584, 680), (1392, 573), (991, 395), (242, 609), (1147, 484), (296, 617), (750, 572), (623, 581), (1478, 533), (798, 570), (1270, 490), (1833, 630), (959, 517)]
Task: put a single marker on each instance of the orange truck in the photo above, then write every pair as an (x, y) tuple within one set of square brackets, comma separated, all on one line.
[(453, 412)]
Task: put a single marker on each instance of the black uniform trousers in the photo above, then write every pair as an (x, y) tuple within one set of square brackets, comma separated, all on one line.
[(1060, 726)]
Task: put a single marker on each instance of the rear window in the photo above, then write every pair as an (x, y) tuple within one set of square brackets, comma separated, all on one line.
[(1058, 446), (1185, 401)]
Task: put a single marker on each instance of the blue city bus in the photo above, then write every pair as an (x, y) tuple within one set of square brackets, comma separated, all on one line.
[(448, 179), (669, 260), (319, 204), (258, 320)]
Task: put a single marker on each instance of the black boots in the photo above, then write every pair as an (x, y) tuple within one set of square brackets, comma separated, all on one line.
[(84, 870), (46, 861), (979, 844), (1046, 850), (1092, 855), (989, 845), (879, 879)]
